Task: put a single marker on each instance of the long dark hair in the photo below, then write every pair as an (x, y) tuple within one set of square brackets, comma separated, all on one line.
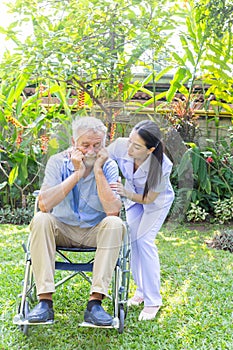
[(150, 133)]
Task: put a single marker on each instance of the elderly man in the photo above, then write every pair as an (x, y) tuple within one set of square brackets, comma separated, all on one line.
[(77, 208)]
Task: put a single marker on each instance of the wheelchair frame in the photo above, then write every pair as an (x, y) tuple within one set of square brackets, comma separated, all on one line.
[(120, 281)]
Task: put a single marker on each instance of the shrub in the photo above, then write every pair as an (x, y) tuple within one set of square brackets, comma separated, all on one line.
[(212, 173), (16, 216), (223, 241), (196, 213), (223, 210)]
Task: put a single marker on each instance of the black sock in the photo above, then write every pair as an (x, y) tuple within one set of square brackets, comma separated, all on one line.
[(48, 301), (92, 303)]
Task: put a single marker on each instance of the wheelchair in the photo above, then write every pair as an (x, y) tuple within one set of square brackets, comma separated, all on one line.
[(119, 286)]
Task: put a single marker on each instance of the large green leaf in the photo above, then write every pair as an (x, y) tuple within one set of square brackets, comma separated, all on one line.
[(185, 163), (19, 106), (11, 96), (22, 81), (176, 82), (13, 175), (196, 159), (188, 52), (23, 167), (202, 173)]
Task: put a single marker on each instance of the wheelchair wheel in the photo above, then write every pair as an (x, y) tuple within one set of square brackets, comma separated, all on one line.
[(27, 297), (121, 319), (120, 285), (26, 310)]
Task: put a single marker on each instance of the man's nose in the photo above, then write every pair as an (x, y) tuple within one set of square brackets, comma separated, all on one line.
[(91, 149)]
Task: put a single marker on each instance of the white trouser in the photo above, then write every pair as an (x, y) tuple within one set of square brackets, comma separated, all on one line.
[(144, 255)]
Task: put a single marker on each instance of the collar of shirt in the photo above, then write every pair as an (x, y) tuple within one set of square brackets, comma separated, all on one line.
[(142, 170)]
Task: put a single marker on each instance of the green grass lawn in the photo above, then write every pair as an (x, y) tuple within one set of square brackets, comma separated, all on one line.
[(197, 289)]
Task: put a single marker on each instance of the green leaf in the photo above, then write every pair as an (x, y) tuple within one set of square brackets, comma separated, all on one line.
[(202, 173), (187, 50), (185, 163), (10, 97), (220, 62), (208, 185), (147, 79), (224, 105), (53, 143), (19, 106), (179, 60), (171, 93), (176, 82), (3, 184), (23, 167), (22, 82), (13, 175), (162, 73), (196, 159)]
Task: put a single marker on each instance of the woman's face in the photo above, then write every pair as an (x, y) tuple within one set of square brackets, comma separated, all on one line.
[(137, 148)]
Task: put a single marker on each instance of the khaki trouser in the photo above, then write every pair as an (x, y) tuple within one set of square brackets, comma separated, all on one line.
[(47, 232)]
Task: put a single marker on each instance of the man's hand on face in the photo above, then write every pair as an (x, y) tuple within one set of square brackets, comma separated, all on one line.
[(77, 157), (102, 156)]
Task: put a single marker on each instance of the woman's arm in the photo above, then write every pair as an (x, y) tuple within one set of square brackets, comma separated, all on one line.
[(135, 197)]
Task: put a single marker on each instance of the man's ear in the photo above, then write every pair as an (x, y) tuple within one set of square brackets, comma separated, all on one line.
[(151, 150), (72, 141)]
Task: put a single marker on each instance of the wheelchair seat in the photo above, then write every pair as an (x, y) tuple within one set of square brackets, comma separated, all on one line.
[(68, 265)]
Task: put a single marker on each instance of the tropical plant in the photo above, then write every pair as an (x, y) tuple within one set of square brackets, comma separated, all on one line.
[(222, 240), (181, 114), (223, 210), (27, 128), (92, 45), (213, 178), (196, 213), (203, 65)]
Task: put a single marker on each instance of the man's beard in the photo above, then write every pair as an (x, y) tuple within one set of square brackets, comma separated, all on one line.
[(89, 161)]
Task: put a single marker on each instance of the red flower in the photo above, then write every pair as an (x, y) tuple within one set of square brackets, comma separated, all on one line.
[(19, 139), (44, 143), (209, 160), (120, 87), (112, 132), (81, 98)]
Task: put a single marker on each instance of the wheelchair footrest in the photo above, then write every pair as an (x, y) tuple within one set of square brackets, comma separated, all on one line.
[(115, 324), (20, 321)]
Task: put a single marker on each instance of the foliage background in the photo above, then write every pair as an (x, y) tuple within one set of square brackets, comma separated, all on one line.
[(81, 58)]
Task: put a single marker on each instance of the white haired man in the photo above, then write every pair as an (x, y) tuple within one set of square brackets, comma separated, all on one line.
[(77, 208)]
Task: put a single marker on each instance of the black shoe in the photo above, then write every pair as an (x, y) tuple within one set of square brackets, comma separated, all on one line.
[(41, 313), (98, 316)]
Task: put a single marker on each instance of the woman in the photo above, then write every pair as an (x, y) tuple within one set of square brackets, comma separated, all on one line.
[(148, 197)]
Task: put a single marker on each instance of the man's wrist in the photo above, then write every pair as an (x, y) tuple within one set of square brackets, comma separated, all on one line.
[(98, 170), (77, 174)]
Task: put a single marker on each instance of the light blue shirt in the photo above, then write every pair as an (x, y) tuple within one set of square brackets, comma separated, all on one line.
[(81, 207), (135, 181)]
